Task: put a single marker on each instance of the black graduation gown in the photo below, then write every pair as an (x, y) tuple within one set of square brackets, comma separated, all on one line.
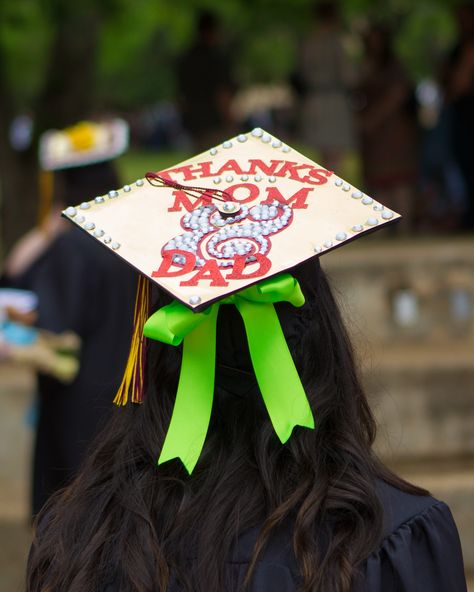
[(84, 288), (420, 552)]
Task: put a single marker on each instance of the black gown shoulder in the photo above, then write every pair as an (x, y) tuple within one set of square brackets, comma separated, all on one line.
[(420, 552)]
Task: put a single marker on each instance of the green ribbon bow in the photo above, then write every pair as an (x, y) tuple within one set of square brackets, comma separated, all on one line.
[(277, 378)]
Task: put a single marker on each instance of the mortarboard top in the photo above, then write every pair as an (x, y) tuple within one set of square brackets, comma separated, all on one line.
[(83, 144), (258, 208)]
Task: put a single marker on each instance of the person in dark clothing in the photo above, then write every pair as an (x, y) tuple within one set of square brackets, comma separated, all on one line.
[(459, 83), (83, 289), (205, 86), (246, 509)]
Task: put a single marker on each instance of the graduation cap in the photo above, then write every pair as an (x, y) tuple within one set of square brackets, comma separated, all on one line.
[(226, 226), (82, 144)]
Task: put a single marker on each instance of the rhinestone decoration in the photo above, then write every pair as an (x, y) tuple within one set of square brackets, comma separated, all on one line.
[(257, 132), (80, 219), (139, 182), (317, 249), (357, 194), (328, 244), (378, 207), (367, 200), (277, 143), (340, 236), (127, 188), (229, 179), (372, 221), (113, 194), (387, 215), (346, 187), (89, 225), (247, 238), (99, 233), (85, 205), (338, 182), (357, 227), (194, 300), (229, 207), (241, 138), (213, 151), (266, 138), (227, 144), (286, 149), (244, 178), (99, 199), (71, 211), (115, 246), (107, 240), (216, 180), (257, 178), (272, 179)]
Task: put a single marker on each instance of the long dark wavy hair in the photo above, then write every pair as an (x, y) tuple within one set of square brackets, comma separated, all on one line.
[(127, 521)]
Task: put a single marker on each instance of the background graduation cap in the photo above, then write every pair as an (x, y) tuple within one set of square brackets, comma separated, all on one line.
[(226, 226)]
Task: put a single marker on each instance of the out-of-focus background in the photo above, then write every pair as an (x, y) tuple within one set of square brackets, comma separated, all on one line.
[(382, 92)]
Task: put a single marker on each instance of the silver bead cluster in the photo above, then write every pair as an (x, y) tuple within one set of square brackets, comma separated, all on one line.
[(267, 138), (230, 239)]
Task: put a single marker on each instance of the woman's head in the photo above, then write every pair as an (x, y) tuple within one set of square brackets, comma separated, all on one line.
[(126, 518)]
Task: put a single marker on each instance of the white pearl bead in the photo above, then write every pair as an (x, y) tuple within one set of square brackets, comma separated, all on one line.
[(276, 143), (213, 151), (387, 214), (89, 226), (357, 227), (139, 182), (272, 179), (241, 138), (80, 219), (266, 138), (127, 188), (216, 180), (340, 236), (99, 199), (372, 221), (85, 205), (286, 149), (367, 200), (107, 239), (338, 182), (115, 246), (257, 132), (194, 299), (227, 144), (229, 178), (71, 211), (357, 194)]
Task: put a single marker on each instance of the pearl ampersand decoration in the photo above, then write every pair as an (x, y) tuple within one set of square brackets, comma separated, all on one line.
[(210, 232)]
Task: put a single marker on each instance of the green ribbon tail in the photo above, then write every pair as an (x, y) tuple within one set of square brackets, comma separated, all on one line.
[(193, 405), (277, 377)]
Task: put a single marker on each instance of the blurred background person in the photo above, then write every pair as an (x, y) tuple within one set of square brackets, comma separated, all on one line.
[(80, 288), (205, 87), (460, 97), (323, 78), (387, 126)]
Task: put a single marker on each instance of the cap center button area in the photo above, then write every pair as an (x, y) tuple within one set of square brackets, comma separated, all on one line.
[(228, 208)]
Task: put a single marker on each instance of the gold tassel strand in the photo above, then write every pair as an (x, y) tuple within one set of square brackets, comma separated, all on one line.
[(134, 376)]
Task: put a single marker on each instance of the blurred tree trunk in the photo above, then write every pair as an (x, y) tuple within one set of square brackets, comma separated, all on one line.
[(67, 97)]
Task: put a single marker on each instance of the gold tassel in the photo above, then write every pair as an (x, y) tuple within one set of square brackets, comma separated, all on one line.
[(46, 189), (134, 377)]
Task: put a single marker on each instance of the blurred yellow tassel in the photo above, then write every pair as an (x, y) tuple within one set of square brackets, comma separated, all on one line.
[(134, 376), (46, 188)]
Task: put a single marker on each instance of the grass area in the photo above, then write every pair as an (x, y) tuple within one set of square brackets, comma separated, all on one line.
[(134, 164)]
